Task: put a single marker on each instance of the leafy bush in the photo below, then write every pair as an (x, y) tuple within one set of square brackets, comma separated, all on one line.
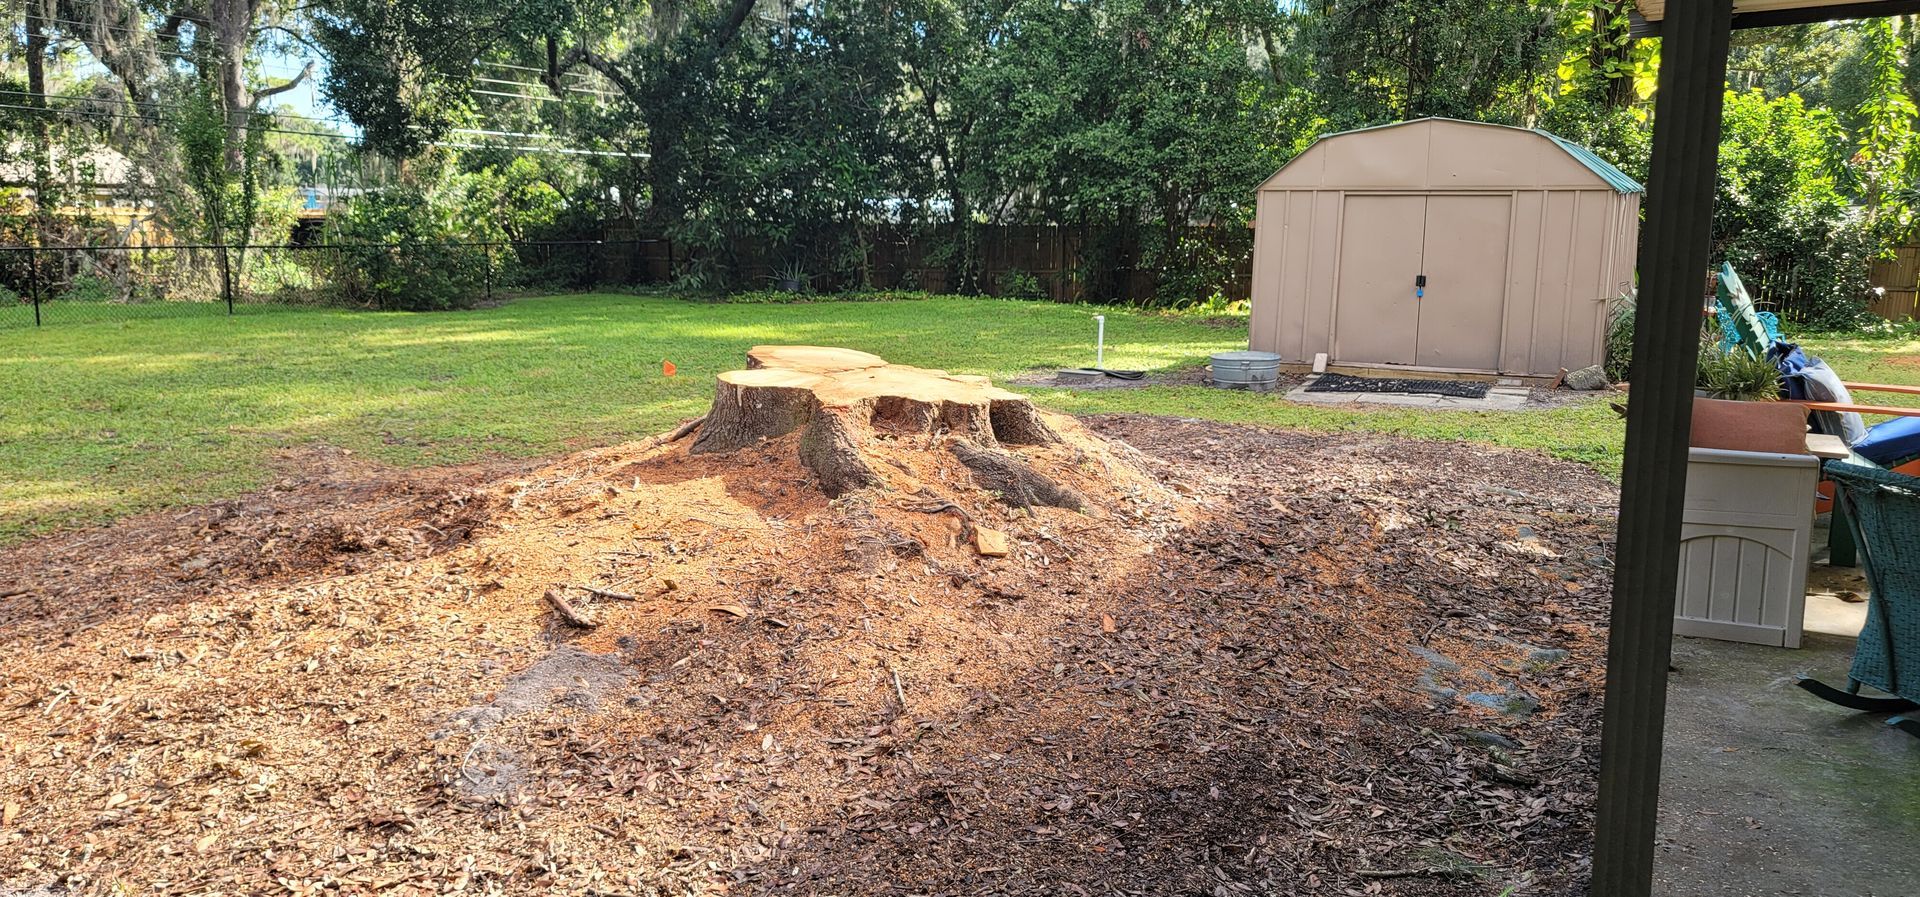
[(1215, 306), (781, 297), (1781, 217), (1619, 362), (1018, 284), (395, 255), (1201, 263), (402, 244), (1737, 375), (1883, 330), (90, 287)]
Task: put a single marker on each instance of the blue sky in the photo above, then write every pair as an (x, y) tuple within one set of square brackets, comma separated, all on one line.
[(302, 100)]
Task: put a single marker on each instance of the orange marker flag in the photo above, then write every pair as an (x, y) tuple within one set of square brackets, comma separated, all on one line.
[(667, 369)]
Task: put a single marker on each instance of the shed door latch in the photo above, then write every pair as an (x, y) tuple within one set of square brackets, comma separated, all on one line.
[(1419, 286)]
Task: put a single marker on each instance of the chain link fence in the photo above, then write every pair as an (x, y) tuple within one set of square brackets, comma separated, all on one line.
[(49, 285)]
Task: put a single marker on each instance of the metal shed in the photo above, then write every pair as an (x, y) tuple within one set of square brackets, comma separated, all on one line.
[(1443, 245)]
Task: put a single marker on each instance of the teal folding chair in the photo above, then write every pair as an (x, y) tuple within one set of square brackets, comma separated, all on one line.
[(1741, 326)]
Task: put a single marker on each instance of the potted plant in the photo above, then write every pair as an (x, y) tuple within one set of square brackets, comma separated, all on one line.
[(791, 278), (1736, 375)]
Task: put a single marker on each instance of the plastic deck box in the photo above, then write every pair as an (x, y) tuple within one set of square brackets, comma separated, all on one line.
[(1745, 541)]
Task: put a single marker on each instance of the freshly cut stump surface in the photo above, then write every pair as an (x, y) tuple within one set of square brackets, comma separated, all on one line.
[(843, 401)]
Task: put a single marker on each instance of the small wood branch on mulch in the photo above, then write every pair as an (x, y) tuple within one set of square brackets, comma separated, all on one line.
[(568, 612)]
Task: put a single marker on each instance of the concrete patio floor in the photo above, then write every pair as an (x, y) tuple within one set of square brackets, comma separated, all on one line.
[(1768, 790)]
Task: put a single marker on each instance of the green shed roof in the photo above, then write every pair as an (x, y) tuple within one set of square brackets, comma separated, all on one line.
[(1607, 171)]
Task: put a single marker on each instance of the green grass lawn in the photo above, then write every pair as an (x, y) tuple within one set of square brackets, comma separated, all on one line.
[(101, 420), (1895, 362)]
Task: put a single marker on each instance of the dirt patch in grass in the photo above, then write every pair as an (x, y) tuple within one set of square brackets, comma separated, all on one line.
[(1208, 682)]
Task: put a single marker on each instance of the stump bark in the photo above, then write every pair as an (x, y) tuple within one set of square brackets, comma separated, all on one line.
[(842, 400)]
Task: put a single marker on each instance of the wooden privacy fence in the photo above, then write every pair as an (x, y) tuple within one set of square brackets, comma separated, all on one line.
[(1057, 259), (1900, 278), (908, 257)]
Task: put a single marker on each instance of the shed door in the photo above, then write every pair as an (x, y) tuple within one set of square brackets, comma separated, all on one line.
[(1465, 261), (1376, 320)]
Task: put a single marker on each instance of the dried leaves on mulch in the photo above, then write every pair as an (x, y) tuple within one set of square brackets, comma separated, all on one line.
[(1261, 663)]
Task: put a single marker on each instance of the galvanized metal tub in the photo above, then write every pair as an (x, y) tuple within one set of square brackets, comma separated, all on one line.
[(1257, 371)]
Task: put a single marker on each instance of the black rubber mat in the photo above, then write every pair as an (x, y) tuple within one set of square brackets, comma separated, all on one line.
[(1458, 389)]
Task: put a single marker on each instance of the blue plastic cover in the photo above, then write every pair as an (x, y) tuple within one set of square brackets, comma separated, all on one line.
[(1890, 443)]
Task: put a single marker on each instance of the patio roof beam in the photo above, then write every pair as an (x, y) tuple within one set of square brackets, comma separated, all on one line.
[(1674, 254), (1799, 15), (1807, 15)]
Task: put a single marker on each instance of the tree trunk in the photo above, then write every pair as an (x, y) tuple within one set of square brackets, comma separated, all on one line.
[(42, 140), (844, 402)]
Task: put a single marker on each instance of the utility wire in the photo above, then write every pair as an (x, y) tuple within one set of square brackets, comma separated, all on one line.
[(586, 74), (571, 151), (262, 112), (84, 98)]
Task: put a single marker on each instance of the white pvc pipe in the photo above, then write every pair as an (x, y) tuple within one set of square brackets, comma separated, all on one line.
[(1100, 341)]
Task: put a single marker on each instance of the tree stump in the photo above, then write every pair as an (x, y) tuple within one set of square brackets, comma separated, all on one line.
[(841, 400)]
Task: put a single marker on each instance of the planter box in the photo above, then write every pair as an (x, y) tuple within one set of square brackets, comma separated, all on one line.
[(1744, 545)]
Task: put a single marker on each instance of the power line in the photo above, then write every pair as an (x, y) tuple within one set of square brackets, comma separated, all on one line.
[(110, 114), (262, 112), (331, 120), (82, 98), (586, 75), (560, 150), (589, 80), (380, 69), (517, 96), (569, 87), (557, 150), (277, 113)]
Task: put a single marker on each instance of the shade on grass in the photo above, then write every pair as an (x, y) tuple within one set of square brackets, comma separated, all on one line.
[(104, 419), (101, 420)]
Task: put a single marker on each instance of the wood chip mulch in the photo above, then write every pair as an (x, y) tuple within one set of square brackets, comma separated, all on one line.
[(1250, 668)]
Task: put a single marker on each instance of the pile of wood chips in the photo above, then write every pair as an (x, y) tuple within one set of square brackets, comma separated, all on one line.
[(636, 671)]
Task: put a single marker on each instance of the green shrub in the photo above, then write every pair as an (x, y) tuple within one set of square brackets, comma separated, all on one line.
[(89, 287), (1214, 306), (1018, 284), (395, 255), (1619, 363), (781, 297), (1781, 215), (1737, 375)]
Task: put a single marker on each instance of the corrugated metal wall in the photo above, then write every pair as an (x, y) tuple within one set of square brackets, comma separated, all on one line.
[(1571, 245)]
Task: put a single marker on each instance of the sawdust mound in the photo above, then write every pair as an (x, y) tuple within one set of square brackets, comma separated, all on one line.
[(1198, 676)]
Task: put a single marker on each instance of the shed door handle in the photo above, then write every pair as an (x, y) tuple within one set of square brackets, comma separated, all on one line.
[(1419, 286)]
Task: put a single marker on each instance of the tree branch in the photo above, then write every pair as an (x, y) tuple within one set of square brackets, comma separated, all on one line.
[(299, 38), (723, 34), (730, 26), (592, 60), (283, 88)]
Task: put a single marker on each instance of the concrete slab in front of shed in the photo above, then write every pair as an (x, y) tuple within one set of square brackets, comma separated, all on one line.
[(1300, 394), (1499, 398), (1496, 399), (1403, 399)]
